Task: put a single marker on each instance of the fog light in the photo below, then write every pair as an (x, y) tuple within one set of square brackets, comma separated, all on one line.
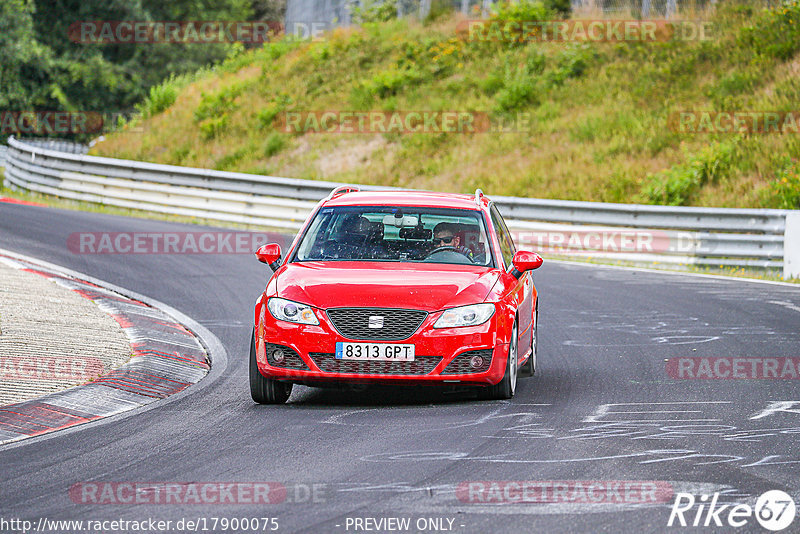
[(278, 356), (476, 362)]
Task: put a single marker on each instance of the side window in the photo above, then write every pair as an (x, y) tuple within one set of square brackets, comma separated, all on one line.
[(503, 235)]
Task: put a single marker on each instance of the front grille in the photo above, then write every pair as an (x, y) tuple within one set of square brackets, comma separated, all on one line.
[(292, 360), (353, 323), (460, 364), (422, 365)]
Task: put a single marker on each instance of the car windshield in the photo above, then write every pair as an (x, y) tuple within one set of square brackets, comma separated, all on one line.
[(397, 234)]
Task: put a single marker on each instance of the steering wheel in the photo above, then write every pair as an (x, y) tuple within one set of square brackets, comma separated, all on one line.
[(440, 249), (451, 250)]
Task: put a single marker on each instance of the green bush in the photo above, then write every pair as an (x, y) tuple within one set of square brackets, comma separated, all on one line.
[(216, 104), (519, 85), (179, 154), (492, 83), (535, 62), (786, 186), (374, 11), (275, 143), (507, 11), (776, 33), (602, 127), (212, 127), (360, 97), (519, 89), (571, 63), (160, 97), (229, 161), (389, 82), (562, 8), (521, 11), (724, 91), (675, 186), (266, 116)]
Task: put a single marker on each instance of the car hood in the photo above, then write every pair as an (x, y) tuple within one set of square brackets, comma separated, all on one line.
[(425, 286)]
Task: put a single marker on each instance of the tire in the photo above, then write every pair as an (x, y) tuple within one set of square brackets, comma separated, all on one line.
[(265, 390), (508, 385), (530, 366)]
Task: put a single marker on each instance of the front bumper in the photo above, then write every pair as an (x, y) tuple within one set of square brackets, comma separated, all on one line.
[(440, 354)]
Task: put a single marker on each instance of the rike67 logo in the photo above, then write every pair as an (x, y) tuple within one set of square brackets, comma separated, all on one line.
[(774, 510)]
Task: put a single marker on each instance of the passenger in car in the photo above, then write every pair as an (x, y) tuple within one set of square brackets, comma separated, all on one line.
[(362, 238), (377, 247)]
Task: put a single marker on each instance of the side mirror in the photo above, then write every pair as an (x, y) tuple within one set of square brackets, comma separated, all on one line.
[(524, 261), (269, 254)]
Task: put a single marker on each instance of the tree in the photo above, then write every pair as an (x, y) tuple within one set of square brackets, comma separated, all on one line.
[(24, 63)]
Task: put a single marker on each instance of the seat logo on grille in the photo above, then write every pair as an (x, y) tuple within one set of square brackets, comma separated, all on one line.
[(375, 321)]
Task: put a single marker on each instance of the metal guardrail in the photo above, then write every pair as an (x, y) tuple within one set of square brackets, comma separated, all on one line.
[(56, 144), (3, 150), (759, 238)]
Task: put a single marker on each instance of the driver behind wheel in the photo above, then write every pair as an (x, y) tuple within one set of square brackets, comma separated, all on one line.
[(445, 238)]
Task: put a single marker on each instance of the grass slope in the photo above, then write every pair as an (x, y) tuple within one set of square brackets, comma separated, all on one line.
[(598, 112)]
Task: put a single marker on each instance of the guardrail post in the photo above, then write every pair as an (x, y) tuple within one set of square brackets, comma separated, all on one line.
[(791, 246)]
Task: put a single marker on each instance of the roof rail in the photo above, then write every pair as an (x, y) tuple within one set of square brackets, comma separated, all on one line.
[(478, 196), (343, 189)]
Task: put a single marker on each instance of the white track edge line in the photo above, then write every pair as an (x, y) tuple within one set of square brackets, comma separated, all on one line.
[(675, 273)]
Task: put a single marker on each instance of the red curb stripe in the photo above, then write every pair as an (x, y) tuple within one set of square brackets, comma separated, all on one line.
[(35, 417), (176, 357), (9, 200)]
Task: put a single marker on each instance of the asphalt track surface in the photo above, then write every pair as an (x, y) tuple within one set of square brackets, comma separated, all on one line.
[(602, 407)]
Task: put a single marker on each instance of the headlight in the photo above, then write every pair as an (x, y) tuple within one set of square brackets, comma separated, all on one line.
[(294, 312), (472, 315)]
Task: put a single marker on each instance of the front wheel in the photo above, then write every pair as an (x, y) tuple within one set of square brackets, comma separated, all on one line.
[(265, 390), (507, 386)]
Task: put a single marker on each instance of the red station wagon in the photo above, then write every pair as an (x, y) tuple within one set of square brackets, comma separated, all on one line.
[(400, 287)]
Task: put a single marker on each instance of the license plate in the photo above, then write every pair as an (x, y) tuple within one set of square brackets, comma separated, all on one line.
[(387, 352)]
